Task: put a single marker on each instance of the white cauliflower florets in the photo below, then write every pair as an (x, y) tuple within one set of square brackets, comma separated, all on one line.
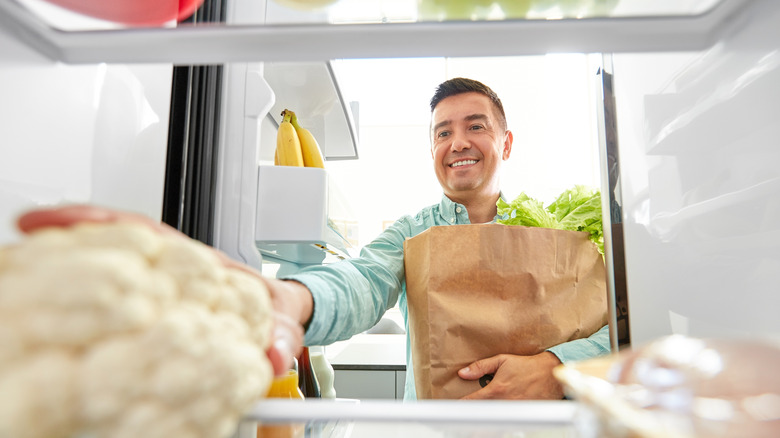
[(117, 330)]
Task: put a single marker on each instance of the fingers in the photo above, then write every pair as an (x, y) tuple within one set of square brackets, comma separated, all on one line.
[(477, 369), (280, 355), (69, 215), (288, 334), (502, 379), (287, 343), (485, 393), (62, 217), (520, 377)]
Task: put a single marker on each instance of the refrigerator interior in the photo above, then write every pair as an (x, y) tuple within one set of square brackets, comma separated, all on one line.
[(697, 133)]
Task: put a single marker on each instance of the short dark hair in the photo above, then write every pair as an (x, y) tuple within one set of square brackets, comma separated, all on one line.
[(455, 86)]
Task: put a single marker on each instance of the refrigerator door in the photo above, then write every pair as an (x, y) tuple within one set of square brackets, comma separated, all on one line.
[(267, 207), (698, 139)]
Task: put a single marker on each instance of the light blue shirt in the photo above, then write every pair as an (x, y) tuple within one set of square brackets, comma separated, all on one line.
[(352, 295)]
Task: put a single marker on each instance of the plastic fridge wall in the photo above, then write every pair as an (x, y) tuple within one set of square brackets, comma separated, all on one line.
[(94, 133), (699, 137)]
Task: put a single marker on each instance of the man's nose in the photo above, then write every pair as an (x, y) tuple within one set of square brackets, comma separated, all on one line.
[(459, 142)]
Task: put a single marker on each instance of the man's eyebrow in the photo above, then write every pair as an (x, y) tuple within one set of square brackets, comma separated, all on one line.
[(441, 124), (477, 116)]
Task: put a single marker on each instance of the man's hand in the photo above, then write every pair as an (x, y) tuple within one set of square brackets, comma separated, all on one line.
[(292, 302), (516, 377), (294, 305)]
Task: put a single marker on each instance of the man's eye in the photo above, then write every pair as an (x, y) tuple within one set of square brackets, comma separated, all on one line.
[(476, 127), (442, 134)]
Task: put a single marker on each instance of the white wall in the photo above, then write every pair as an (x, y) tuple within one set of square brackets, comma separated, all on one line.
[(550, 110)]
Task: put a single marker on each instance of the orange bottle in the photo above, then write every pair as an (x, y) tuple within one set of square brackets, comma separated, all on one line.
[(284, 386)]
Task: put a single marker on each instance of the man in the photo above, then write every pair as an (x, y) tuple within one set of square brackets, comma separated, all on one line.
[(469, 142)]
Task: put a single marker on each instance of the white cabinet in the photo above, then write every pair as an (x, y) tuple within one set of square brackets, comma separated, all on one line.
[(369, 366), (370, 383)]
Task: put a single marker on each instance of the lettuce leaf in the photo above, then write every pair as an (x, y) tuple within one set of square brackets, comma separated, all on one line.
[(576, 209)]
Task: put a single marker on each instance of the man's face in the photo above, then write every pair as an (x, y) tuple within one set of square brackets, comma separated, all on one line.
[(468, 145)]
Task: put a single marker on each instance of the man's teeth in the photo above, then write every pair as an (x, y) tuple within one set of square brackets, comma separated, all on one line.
[(463, 163)]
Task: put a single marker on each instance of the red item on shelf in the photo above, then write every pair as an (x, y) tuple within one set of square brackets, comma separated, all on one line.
[(133, 12)]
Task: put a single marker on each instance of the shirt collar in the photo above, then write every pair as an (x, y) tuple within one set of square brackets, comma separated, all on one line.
[(450, 211), (454, 213)]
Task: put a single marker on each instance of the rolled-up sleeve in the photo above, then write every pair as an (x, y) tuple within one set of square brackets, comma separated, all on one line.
[(351, 296)]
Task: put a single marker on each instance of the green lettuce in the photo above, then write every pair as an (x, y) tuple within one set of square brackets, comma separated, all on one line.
[(576, 209)]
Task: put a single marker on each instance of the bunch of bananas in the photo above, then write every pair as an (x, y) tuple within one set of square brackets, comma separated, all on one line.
[(295, 145)]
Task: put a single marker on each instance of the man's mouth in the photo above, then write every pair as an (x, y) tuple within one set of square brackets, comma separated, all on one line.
[(463, 163)]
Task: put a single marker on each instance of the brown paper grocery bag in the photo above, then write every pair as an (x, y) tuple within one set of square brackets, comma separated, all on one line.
[(475, 291)]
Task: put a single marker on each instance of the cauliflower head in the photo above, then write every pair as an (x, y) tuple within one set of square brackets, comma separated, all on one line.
[(118, 330)]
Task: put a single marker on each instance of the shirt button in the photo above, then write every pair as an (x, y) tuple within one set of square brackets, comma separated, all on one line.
[(452, 219), (457, 209)]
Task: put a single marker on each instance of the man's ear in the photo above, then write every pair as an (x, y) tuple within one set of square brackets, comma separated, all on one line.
[(507, 145)]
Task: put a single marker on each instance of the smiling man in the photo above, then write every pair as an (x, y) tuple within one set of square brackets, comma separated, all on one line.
[(469, 143)]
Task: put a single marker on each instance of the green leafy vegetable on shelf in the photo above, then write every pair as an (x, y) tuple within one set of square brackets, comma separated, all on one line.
[(576, 209)]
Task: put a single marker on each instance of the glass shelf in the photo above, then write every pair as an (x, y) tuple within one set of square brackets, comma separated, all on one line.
[(345, 12), (377, 28), (410, 11)]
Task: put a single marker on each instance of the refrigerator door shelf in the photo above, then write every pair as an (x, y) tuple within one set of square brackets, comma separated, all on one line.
[(311, 89), (295, 221), (300, 254)]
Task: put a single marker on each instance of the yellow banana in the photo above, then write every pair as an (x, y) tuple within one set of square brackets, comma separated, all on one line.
[(312, 155), (288, 146)]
